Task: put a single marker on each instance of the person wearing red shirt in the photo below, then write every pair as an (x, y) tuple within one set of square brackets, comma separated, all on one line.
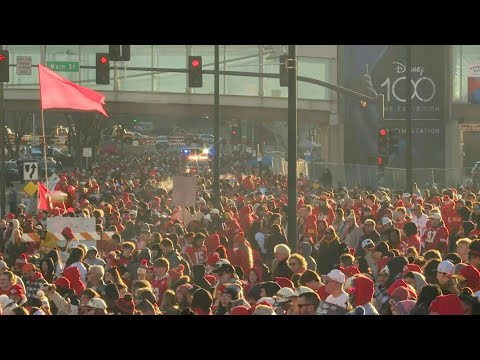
[(371, 201), (312, 280), (436, 237), (160, 281), (198, 251), (243, 252), (411, 235), (325, 211), (231, 226)]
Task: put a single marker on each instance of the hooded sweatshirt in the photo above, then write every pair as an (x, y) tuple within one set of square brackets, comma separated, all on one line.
[(73, 275), (307, 252), (363, 294)]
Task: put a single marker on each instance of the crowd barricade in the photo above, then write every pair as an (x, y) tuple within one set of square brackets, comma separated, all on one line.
[(101, 240)]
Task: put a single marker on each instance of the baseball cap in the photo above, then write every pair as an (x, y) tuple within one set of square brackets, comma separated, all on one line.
[(336, 275), (367, 243), (302, 290), (3, 265), (97, 303), (224, 268), (406, 195), (445, 267), (284, 294), (386, 220), (435, 216)]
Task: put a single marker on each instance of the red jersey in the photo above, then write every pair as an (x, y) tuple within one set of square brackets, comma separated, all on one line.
[(454, 221), (159, 286), (413, 241), (197, 255), (436, 238)]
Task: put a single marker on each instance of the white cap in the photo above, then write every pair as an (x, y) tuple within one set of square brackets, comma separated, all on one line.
[(368, 242), (406, 195), (302, 290), (386, 220), (435, 215), (215, 211), (284, 294), (336, 275), (97, 303), (445, 267)]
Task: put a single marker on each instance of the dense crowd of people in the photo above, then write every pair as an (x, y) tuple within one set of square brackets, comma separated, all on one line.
[(359, 251)]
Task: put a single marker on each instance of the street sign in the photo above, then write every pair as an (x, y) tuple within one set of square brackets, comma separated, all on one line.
[(24, 65), (30, 171), (64, 66), (87, 152), (470, 127), (30, 188), (52, 181)]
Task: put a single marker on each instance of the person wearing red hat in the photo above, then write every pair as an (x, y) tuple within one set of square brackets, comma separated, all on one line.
[(468, 276), (360, 290), (175, 274), (446, 305), (34, 280), (239, 310), (125, 305), (17, 294)]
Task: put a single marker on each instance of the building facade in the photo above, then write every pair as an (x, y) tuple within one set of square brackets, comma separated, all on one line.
[(138, 92)]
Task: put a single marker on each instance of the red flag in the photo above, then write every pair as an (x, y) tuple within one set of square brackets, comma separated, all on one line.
[(59, 93), (42, 201)]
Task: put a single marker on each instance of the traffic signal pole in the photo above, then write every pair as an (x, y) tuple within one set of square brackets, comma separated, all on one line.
[(2, 152), (216, 130), (292, 147), (408, 121)]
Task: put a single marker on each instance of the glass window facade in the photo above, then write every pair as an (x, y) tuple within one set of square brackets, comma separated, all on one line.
[(464, 56), (247, 58)]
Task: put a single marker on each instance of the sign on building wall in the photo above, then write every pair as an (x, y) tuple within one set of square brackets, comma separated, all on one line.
[(474, 83), (386, 64)]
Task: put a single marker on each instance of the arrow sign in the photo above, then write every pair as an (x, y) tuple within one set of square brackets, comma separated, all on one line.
[(2, 57), (30, 171)]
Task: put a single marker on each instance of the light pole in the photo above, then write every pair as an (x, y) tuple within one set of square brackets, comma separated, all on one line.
[(2, 152), (292, 147), (408, 121), (216, 130)]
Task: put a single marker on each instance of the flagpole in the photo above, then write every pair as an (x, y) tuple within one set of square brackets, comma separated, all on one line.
[(43, 131)]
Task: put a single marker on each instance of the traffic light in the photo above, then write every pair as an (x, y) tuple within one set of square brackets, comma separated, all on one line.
[(102, 67), (383, 146), (119, 52), (195, 72), (283, 71), (235, 134), (4, 66)]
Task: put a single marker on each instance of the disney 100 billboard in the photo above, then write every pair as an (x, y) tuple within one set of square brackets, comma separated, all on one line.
[(386, 65)]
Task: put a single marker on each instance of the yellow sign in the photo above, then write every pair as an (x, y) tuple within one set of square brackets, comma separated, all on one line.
[(30, 188)]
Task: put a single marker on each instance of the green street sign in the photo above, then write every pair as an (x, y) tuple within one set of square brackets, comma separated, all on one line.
[(63, 66)]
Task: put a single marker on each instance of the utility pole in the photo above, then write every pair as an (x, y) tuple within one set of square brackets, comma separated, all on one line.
[(2, 154), (216, 130), (292, 147), (408, 121)]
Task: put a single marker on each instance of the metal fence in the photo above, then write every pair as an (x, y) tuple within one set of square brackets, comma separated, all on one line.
[(280, 166), (366, 175)]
